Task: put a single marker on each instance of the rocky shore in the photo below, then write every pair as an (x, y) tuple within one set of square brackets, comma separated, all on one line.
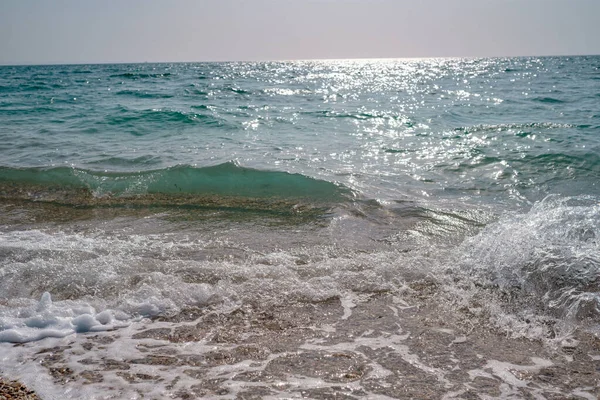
[(14, 390)]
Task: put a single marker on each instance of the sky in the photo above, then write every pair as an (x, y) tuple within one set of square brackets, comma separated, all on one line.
[(101, 31)]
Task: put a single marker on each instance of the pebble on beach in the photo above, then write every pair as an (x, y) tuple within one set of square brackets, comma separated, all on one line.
[(14, 390)]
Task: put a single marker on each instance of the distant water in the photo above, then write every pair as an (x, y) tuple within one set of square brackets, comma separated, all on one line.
[(137, 191)]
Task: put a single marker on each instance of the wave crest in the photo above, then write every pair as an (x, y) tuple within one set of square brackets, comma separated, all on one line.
[(223, 185), (547, 259)]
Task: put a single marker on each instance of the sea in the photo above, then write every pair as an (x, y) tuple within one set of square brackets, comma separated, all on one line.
[(327, 229)]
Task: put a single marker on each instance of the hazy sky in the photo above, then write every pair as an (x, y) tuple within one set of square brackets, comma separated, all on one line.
[(87, 31)]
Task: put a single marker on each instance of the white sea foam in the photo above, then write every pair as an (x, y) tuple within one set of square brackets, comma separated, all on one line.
[(547, 259), (114, 279), (48, 319)]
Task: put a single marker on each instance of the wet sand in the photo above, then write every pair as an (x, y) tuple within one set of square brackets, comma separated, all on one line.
[(379, 346)]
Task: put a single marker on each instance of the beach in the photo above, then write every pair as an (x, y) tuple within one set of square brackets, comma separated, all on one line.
[(375, 229), (380, 347)]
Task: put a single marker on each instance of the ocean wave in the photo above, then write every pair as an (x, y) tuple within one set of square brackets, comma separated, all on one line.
[(140, 75), (225, 185), (513, 127), (546, 261), (360, 115), (136, 119), (136, 162), (548, 100), (36, 87), (19, 110), (534, 166), (143, 94), (237, 90), (589, 161)]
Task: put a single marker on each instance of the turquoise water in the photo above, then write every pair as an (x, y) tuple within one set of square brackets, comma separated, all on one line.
[(507, 131), (117, 182)]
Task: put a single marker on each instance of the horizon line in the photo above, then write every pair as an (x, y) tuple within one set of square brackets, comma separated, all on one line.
[(17, 64)]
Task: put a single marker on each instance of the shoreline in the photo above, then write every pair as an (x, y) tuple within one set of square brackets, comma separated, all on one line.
[(379, 345)]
